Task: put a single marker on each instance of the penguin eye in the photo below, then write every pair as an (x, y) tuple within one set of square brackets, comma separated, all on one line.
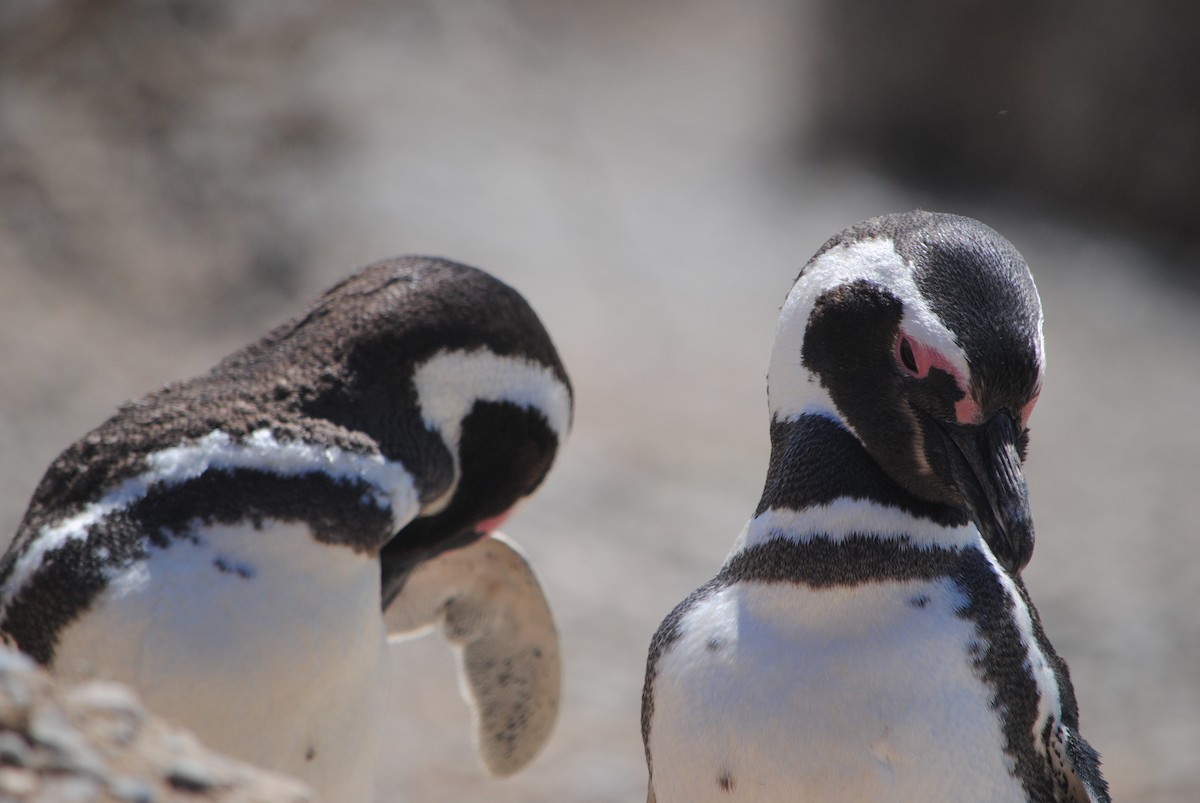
[(907, 359)]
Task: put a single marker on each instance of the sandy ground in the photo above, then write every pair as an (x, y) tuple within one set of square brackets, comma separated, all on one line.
[(633, 181)]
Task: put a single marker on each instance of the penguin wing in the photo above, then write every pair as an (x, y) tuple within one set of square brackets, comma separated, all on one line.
[(1076, 768), (491, 607)]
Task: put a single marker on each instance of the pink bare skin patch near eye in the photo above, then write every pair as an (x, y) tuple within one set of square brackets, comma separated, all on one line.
[(917, 359), (491, 525), (1027, 410)]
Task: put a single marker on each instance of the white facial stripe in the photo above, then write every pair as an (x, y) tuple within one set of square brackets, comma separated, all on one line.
[(392, 485), (847, 517), (792, 391), (451, 382)]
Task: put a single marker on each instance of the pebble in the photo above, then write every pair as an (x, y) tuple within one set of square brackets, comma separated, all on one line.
[(190, 775), (50, 728), (14, 750), (131, 790), (113, 710), (17, 782)]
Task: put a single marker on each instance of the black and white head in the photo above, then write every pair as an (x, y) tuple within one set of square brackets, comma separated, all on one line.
[(454, 375), (451, 372), (922, 334)]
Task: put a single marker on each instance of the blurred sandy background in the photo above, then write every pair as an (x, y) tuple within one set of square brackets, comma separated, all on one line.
[(176, 177)]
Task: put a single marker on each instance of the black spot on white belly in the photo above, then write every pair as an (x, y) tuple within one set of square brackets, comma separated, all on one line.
[(725, 781), (715, 644), (70, 577), (919, 601), (226, 566)]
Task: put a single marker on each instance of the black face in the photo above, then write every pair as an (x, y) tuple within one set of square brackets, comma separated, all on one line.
[(505, 452), (933, 436), (849, 345)]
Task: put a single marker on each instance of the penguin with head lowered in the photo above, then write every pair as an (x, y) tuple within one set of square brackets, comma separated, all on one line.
[(229, 546), (869, 637)]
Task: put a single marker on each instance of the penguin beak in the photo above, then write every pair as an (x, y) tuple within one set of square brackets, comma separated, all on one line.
[(987, 470)]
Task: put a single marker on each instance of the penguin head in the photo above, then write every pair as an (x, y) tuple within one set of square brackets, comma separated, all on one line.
[(441, 368), (922, 334), (501, 420)]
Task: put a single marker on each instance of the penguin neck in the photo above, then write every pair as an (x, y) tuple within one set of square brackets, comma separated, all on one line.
[(822, 484)]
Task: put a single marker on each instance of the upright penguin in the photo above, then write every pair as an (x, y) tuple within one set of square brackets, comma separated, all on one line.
[(869, 636), (228, 544)]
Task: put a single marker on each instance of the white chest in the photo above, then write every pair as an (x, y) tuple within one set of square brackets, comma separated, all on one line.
[(266, 643), (782, 692)]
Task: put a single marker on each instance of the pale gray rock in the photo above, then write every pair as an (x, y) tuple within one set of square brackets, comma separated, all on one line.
[(95, 743)]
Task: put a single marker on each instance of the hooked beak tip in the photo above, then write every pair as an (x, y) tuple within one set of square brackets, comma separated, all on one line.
[(990, 479)]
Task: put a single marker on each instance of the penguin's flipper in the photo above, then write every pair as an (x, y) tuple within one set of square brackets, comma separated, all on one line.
[(1076, 767), (491, 607)]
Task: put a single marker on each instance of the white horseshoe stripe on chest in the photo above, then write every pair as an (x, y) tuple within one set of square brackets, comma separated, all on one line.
[(394, 488), (846, 518)]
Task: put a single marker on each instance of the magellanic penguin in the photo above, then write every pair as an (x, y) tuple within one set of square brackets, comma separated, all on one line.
[(869, 637), (228, 545)]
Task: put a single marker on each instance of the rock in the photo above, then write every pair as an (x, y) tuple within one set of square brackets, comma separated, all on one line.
[(95, 743)]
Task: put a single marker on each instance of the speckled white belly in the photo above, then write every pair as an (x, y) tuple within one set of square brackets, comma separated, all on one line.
[(780, 692), (265, 642)]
